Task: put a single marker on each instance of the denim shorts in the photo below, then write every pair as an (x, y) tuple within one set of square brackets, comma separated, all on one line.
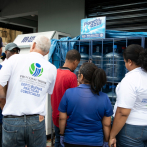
[(132, 136)]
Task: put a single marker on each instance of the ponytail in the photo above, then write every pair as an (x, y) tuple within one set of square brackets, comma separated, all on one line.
[(142, 60), (98, 80), (137, 54), (93, 75)]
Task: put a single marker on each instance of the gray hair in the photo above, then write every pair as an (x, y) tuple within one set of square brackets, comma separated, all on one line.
[(42, 43)]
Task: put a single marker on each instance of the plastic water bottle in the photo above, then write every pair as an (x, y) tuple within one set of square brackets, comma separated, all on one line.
[(84, 55), (114, 66), (112, 94), (97, 57), (84, 58)]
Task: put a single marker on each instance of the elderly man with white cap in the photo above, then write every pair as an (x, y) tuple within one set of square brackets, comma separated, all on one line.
[(30, 78)]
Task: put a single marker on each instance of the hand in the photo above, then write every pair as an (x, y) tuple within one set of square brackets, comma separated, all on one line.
[(62, 140), (105, 144), (112, 142)]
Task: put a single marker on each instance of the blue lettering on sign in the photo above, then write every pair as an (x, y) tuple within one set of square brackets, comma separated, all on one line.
[(94, 23), (92, 35), (28, 39), (31, 38)]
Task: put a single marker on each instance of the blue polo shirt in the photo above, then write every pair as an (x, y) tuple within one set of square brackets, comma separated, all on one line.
[(86, 111)]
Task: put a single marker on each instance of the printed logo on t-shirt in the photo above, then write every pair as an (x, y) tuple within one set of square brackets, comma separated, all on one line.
[(144, 101), (35, 70)]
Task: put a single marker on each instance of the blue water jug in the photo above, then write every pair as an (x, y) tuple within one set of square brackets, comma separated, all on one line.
[(84, 55), (112, 94), (97, 57), (114, 66), (84, 58)]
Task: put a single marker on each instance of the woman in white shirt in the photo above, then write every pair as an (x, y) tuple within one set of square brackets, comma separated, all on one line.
[(130, 122)]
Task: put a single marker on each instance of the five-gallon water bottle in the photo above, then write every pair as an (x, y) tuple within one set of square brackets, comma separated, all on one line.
[(84, 58), (112, 94), (125, 70), (114, 66), (84, 55), (97, 57)]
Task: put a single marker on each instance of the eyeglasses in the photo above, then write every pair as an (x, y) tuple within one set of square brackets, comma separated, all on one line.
[(15, 51)]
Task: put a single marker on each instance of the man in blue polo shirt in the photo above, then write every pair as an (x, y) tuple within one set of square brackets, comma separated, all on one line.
[(10, 49)]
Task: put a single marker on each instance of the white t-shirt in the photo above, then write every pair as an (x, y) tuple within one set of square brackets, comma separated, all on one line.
[(132, 94), (30, 77), (4, 62)]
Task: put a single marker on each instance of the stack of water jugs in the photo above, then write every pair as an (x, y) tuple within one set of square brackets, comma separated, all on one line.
[(111, 62)]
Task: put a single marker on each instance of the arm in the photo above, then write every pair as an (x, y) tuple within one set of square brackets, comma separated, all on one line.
[(3, 100), (106, 127), (62, 122), (2, 92), (119, 121)]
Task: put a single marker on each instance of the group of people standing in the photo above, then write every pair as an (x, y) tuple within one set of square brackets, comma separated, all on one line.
[(82, 114), (81, 111)]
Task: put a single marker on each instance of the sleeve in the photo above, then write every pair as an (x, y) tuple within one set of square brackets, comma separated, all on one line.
[(126, 94), (6, 71), (73, 81), (63, 103), (52, 84), (108, 108)]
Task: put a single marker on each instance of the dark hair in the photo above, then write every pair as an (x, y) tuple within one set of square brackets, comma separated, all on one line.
[(73, 55), (93, 75), (137, 54)]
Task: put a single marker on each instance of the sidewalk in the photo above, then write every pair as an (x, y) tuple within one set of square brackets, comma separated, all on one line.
[(48, 144)]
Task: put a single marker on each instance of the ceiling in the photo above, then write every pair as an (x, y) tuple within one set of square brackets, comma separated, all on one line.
[(24, 24), (126, 15), (3, 3)]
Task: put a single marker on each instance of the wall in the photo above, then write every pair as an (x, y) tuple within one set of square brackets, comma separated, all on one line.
[(61, 15)]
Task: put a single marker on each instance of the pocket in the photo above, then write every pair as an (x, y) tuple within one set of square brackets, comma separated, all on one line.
[(133, 131), (39, 133), (9, 137)]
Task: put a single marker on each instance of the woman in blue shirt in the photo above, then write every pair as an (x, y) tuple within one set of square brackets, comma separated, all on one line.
[(88, 108)]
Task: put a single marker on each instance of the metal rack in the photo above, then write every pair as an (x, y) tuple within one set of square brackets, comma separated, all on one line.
[(109, 88), (65, 46)]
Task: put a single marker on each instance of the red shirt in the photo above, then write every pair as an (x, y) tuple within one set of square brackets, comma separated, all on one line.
[(65, 79)]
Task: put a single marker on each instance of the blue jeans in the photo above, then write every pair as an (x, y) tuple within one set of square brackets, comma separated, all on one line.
[(132, 136), (21, 131), (57, 137)]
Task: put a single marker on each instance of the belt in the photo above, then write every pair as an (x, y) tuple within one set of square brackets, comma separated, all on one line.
[(13, 116)]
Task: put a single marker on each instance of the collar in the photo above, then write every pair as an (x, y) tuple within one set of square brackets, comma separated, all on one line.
[(134, 70), (84, 86), (64, 68), (36, 54)]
